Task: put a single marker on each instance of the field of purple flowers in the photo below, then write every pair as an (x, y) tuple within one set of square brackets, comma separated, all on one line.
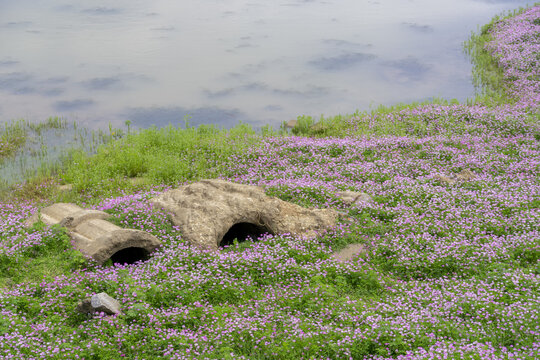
[(450, 270)]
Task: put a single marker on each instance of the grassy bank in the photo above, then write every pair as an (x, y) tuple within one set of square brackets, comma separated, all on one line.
[(450, 271)]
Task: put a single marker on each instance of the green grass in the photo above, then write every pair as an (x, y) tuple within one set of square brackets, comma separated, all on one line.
[(32, 154), (167, 156), (395, 120)]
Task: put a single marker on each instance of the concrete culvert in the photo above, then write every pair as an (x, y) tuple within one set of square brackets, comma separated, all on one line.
[(129, 255), (102, 240), (94, 236), (212, 213), (243, 231)]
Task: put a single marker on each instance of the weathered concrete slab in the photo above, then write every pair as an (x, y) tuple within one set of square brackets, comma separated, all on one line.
[(120, 245), (64, 214)]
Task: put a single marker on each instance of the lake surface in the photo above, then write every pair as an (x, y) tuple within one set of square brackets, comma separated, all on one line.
[(224, 61)]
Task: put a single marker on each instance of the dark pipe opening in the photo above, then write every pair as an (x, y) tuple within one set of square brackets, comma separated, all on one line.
[(242, 232), (129, 255)]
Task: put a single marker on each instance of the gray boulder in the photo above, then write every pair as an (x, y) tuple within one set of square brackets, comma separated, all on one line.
[(212, 213), (104, 303)]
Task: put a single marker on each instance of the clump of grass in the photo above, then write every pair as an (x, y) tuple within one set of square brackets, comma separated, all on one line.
[(38, 188), (14, 135), (429, 118), (53, 122), (12, 138)]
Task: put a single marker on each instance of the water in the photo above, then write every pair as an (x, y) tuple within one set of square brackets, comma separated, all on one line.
[(224, 61), (44, 148)]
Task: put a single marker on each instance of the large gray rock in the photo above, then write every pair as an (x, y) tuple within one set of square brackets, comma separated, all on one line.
[(211, 213), (95, 237)]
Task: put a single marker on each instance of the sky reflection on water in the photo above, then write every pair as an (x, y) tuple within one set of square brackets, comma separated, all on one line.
[(224, 61)]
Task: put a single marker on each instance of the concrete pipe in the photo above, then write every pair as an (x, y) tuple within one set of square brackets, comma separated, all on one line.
[(94, 236)]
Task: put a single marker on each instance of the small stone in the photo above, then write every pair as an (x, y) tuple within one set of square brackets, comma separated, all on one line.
[(445, 179), (291, 124), (104, 303), (99, 303), (354, 197), (349, 252), (318, 128), (65, 188), (465, 175)]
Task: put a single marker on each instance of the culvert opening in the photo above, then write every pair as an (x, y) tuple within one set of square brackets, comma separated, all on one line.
[(129, 255), (242, 232)]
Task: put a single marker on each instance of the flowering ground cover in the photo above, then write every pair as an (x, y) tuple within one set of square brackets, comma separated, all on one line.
[(450, 271)]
